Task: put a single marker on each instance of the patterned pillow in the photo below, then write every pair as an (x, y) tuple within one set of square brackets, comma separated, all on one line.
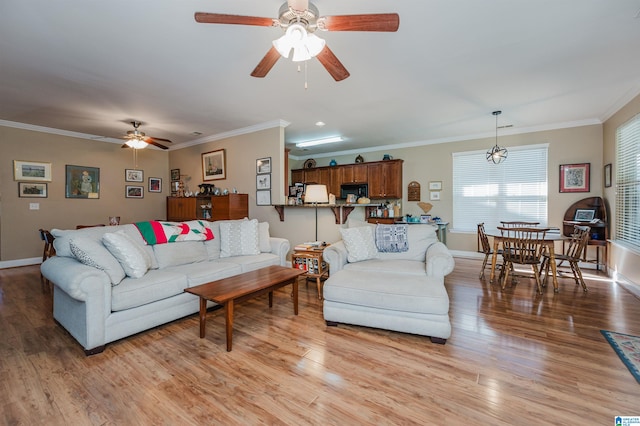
[(132, 257), (92, 253), (359, 243), (239, 238)]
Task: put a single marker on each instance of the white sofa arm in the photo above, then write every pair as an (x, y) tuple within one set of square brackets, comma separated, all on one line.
[(439, 261), (336, 256), (280, 247), (77, 280)]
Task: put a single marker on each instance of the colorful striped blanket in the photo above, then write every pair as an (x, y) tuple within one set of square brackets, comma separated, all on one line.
[(157, 232)]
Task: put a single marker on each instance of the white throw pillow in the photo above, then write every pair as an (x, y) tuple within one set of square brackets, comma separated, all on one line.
[(239, 238), (263, 231), (360, 243), (132, 257), (92, 253)]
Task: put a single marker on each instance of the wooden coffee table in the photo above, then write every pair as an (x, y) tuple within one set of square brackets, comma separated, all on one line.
[(238, 288)]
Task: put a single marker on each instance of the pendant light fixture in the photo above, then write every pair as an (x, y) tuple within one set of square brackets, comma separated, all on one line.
[(496, 154)]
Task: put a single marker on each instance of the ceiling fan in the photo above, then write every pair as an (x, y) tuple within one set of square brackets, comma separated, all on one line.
[(138, 140), (300, 19)]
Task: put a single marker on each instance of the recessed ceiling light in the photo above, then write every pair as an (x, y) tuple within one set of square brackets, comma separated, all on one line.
[(320, 123), (320, 141)]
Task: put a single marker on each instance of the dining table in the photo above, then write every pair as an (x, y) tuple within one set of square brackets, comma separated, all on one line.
[(549, 241)]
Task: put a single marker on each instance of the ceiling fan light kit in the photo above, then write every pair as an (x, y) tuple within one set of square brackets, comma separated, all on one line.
[(300, 19), (139, 140), (496, 154)]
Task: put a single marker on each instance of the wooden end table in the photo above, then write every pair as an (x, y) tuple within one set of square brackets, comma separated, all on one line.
[(238, 288), (312, 264)]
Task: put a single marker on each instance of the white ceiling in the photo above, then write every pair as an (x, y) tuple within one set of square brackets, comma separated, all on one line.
[(93, 66)]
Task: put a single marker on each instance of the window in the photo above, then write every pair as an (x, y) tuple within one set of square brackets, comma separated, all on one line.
[(513, 190), (628, 183)]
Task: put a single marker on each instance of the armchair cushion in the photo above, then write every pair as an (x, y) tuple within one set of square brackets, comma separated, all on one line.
[(360, 243), (239, 238), (132, 257), (93, 253)]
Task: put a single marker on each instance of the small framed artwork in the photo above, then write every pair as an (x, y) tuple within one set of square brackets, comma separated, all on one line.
[(82, 182), (155, 184), (175, 175), (263, 165), (132, 175), (435, 185), (133, 191), (31, 171), (575, 177), (584, 215), (434, 195), (214, 165), (263, 181), (607, 175), (263, 198), (32, 190)]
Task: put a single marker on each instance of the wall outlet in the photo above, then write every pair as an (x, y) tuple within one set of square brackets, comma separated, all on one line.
[(34, 206)]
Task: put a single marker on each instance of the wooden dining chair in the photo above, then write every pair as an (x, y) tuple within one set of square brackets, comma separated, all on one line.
[(48, 251), (485, 246), (518, 224), (573, 255), (522, 246)]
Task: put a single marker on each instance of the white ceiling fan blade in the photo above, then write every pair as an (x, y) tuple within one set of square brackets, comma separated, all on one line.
[(299, 5)]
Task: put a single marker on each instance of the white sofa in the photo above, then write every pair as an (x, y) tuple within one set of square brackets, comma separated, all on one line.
[(400, 291), (97, 304)]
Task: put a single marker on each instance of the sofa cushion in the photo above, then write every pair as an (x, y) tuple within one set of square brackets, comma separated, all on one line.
[(251, 263), (154, 285), (391, 291), (205, 272), (181, 253), (132, 256), (93, 253), (397, 266), (359, 243), (420, 238), (392, 238), (239, 238), (264, 237)]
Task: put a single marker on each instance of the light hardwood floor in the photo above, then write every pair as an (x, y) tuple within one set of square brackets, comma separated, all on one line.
[(514, 358)]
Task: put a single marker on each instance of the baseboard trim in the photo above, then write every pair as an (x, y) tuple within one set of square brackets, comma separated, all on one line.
[(20, 262)]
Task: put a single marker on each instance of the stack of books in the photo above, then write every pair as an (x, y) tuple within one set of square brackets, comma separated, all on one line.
[(308, 246)]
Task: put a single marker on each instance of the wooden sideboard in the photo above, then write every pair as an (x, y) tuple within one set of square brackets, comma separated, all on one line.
[(383, 177), (210, 207)]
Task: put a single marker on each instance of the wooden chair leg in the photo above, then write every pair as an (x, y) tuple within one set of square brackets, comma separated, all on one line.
[(507, 266), (484, 265), (579, 274), (537, 275)]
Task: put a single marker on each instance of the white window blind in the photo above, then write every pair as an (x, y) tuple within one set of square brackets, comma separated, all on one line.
[(514, 190), (628, 182)]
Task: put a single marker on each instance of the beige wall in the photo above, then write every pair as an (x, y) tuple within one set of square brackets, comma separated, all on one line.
[(434, 163), (621, 260), (19, 238)]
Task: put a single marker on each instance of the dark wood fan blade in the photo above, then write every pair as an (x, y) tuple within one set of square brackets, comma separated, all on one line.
[(148, 139), (265, 65), (332, 64), (388, 22), (219, 18), (154, 143)]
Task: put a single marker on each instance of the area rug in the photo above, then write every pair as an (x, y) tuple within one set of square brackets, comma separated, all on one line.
[(628, 349)]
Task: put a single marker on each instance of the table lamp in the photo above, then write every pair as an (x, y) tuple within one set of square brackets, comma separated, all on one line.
[(315, 194)]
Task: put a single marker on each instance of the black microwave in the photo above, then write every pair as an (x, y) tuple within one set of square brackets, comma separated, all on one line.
[(358, 189)]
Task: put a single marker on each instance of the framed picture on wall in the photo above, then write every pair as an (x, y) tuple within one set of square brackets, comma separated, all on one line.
[(263, 165), (132, 175), (263, 181), (214, 165), (607, 175), (155, 184), (31, 171), (133, 191), (263, 198), (32, 190), (82, 182), (175, 174), (575, 177)]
